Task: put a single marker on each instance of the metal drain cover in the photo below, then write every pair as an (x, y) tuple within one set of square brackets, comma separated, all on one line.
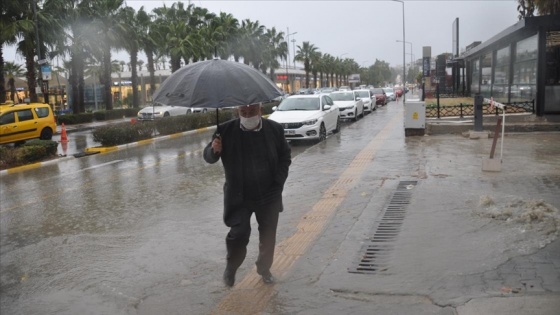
[(374, 254)]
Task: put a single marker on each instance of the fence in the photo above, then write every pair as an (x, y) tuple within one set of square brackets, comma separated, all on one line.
[(462, 110)]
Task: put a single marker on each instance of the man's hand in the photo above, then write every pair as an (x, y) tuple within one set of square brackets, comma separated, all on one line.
[(217, 145)]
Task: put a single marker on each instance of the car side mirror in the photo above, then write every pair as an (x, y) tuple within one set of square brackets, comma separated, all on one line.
[(358, 98), (326, 107), (274, 108)]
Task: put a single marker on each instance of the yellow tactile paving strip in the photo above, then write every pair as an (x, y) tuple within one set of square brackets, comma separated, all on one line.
[(251, 295)]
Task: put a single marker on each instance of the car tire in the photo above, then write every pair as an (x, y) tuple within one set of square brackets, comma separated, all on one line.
[(166, 114), (46, 134), (337, 128), (188, 111), (204, 110), (355, 115), (322, 133), (362, 115)]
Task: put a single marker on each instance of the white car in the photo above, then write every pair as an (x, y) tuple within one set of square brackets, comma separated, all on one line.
[(390, 94), (349, 105), (307, 117), (366, 96), (157, 111)]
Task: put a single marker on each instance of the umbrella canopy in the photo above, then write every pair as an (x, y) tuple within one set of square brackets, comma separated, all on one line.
[(216, 84)]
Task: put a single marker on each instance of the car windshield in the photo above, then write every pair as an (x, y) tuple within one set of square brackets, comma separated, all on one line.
[(362, 94), (389, 90), (377, 91), (342, 96), (295, 103)]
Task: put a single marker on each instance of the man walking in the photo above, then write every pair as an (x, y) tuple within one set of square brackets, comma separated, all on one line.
[(256, 158)]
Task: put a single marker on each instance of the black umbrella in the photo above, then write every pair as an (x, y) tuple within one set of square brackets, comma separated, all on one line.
[(216, 84)]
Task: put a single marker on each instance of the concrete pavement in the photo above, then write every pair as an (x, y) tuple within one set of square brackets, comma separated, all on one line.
[(414, 226)]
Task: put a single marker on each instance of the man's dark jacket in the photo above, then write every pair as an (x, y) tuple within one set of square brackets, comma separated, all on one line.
[(279, 155)]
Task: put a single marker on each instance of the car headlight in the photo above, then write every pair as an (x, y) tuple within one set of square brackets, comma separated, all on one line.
[(310, 122)]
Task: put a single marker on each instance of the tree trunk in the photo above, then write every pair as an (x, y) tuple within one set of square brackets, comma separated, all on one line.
[(150, 56), (30, 75), (2, 80), (134, 78), (107, 96)]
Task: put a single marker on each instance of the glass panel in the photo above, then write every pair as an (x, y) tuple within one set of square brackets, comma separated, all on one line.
[(475, 88), (527, 49), (552, 79), (486, 72), (524, 83)]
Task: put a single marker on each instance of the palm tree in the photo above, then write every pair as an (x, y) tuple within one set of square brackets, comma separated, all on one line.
[(328, 64), (47, 26), (131, 45), (251, 47), (229, 29), (173, 23), (108, 21), (12, 70), (274, 47), (147, 40), (304, 54), (315, 66), (12, 27)]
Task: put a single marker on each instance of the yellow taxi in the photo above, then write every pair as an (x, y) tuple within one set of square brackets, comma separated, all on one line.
[(22, 122)]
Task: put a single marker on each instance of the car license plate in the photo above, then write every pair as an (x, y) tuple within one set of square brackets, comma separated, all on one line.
[(289, 132)]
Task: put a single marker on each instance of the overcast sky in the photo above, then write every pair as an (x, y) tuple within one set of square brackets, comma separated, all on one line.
[(362, 30)]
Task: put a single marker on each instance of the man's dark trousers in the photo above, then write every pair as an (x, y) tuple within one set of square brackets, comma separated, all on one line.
[(239, 233)]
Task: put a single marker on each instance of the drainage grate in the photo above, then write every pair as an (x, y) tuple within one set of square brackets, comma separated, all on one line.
[(375, 253)]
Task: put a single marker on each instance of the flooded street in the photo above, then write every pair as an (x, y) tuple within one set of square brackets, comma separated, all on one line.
[(140, 231), (101, 233)]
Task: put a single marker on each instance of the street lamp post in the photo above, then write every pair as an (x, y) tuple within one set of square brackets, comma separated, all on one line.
[(288, 59), (410, 53), (294, 46), (403, 50)]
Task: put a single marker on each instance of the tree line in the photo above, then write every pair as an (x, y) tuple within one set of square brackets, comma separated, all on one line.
[(87, 32)]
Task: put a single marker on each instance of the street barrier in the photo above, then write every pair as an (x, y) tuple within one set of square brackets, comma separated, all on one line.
[(492, 164)]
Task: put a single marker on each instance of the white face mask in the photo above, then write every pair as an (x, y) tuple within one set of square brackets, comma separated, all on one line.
[(251, 122)]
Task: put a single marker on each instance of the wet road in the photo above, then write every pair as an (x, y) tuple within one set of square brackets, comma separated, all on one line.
[(104, 233)]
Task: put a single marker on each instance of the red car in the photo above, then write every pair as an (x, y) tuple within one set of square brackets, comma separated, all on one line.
[(380, 96), (399, 92)]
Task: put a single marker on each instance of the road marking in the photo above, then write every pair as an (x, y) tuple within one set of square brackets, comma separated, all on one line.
[(251, 295)]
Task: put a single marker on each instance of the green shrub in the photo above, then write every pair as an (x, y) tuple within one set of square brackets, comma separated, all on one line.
[(101, 115), (50, 146), (30, 152), (72, 119), (121, 133)]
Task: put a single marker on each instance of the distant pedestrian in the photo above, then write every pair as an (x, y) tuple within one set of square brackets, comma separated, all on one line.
[(256, 158)]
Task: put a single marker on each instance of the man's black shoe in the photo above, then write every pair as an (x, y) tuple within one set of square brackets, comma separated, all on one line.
[(229, 277), (267, 278)]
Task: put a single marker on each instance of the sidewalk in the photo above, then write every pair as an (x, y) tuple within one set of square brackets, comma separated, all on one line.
[(470, 242)]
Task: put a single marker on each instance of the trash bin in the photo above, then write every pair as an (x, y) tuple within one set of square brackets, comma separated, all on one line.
[(414, 118)]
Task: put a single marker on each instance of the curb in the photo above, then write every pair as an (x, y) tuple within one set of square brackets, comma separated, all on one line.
[(102, 150)]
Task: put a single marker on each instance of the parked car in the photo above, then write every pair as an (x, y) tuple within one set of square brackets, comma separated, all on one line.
[(389, 93), (349, 105), (380, 96), (304, 91), (327, 90), (158, 110), (367, 97), (344, 88), (22, 122), (307, 117)]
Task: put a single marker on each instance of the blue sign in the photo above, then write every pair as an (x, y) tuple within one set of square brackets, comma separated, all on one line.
[(46, 71)]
